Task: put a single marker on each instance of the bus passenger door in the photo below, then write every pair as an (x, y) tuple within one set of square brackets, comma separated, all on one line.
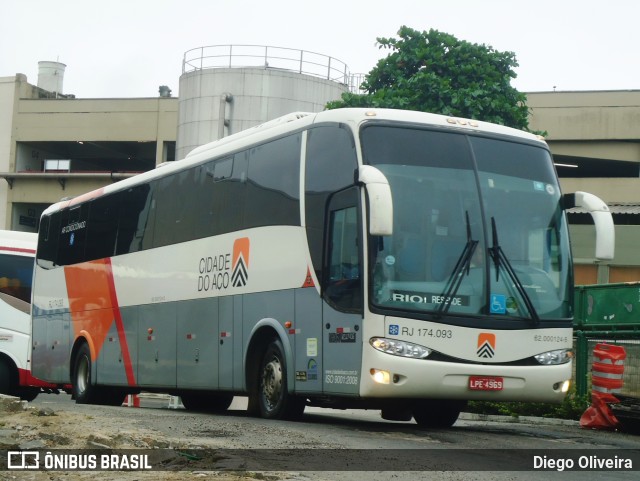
[(342, 295)]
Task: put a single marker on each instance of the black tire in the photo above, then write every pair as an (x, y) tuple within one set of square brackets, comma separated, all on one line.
[(273, 399), (6, 380), (9, 383), (28, 393), (83, 391), (437, 413), (206, 402)]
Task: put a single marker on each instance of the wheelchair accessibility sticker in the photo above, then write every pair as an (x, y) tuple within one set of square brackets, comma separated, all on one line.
[(498, 304)]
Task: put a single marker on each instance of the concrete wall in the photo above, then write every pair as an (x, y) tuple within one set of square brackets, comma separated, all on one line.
[(27, 117), (595, 125), (9, 88)]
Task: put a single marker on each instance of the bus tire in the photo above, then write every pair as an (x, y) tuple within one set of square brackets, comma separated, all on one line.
[(206, 402), (273, 398), (6, 381), (28, 393), (83, 391), (437, 413)]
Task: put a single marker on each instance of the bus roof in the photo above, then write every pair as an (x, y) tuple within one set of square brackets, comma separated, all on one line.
[(18, 243), (292, 122)]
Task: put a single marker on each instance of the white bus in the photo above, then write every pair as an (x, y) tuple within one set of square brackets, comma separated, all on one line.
[(354, 258), (17, 253)]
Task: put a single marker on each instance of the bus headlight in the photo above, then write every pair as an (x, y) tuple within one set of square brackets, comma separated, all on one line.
[(399, 348), (550, 358)]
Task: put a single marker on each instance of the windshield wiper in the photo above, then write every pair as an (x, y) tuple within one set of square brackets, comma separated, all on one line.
[(463, 264), (501, 260)]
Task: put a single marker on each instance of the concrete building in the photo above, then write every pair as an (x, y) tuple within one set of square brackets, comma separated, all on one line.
[(54, 146), (595, 140)]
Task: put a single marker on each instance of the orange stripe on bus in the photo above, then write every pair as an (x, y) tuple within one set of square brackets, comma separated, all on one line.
[(94, 306)]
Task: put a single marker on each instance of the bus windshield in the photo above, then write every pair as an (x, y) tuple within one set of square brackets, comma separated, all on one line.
[(478, 227)]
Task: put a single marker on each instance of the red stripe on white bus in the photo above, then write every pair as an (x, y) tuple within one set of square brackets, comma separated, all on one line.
[(120, 325), (17, 249)]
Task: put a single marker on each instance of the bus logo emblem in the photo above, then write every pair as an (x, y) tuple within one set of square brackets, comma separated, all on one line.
[(486, 345), (240, 264)]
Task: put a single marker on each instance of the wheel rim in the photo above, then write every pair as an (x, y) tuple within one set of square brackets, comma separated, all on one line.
[(272, 383), (82, 375)]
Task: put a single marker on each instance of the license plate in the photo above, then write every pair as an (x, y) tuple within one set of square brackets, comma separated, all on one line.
[(486, 383)]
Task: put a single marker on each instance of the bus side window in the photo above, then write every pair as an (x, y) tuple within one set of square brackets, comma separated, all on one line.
[(330, 165), (48, 234), (135, 221), (73, 234), (102, 227), (343, 285)]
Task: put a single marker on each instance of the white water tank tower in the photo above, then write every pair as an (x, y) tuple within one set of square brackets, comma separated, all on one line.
[(228, 88), (51, 76)]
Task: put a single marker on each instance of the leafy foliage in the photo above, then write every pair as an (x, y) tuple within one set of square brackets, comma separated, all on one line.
[(571, 408), (435, 72)]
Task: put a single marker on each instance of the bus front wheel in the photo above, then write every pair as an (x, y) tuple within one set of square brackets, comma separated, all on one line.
[(6, 384), (437, 413), (274, 400)]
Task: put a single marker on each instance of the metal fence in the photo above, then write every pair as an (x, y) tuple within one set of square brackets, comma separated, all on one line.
[(584, 346), (608, 313), (243, 56)]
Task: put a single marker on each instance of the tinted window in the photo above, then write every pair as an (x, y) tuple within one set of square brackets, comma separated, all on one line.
[(102, 227), (135, 217), (176, 208), (220, 191), (48, 235), (404, 146), (273, 185), (342, 283), (330, 166), (73, 234), (16, 274)]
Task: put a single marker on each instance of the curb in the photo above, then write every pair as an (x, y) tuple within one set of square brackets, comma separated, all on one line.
[(518, 419)]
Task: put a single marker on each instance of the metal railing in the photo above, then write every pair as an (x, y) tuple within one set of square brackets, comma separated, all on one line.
[(607, 313), (242, 56)]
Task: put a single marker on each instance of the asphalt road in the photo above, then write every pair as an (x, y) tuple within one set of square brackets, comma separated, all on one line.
[(334, 441)]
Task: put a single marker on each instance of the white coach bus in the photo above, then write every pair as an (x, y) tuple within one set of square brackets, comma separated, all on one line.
[(354, 258), (17, 253)]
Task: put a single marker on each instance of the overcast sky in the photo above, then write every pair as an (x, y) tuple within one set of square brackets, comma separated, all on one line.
[(127, 48)]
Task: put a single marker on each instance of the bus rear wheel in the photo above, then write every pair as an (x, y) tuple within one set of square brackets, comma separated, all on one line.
[(83, 391), (437, 413), (206, 402), (274, 400)]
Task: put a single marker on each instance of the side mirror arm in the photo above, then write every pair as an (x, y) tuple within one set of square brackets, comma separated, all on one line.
[(605, 230)]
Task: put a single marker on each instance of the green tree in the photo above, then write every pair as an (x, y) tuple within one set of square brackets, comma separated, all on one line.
[(435, 72)]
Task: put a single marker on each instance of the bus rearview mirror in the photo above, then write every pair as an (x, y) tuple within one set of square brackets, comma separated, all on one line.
[(380, 200)]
